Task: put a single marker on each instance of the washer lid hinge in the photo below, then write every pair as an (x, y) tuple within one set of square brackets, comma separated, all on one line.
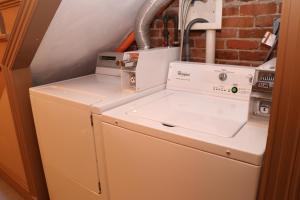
[(99, 187), (91, 118)]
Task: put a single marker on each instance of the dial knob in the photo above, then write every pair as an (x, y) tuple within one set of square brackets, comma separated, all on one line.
[(223, 76)]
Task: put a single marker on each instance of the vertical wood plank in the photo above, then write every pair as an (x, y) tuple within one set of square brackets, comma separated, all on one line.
[(281, 159)]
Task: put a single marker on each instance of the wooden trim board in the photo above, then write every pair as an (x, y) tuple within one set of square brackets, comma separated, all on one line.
[(281, 172), (2, 83)]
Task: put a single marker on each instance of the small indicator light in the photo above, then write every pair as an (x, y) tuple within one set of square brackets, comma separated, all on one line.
[(234, 90)]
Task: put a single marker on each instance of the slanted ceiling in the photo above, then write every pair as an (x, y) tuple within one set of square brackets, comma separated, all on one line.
[(79, 30)]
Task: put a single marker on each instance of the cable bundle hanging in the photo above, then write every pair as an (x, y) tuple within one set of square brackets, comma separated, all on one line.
[(184, 10)]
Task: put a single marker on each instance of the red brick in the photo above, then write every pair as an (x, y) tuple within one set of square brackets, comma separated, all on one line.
[(171, 24), (158, 23), (242, 44), (258, 9), (265, 21), (171, 31), (201, 60), (253, 55), (156, 42), (200, 43), (238, 22), (155, 32), (227, 54), (175, 3), (197, 53), (230, 11), (227, 1), (239, 29), (192, 43), (197, 33), (253, 33), (280, 8), (237, 62), (220, 44), (227, 33)]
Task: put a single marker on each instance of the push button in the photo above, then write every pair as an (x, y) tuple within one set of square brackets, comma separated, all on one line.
[(234, 90)]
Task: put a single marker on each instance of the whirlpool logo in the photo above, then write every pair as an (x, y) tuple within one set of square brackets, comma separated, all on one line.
[(183, 74)]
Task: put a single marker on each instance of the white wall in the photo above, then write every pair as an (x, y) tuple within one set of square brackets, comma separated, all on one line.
[(79, 30)]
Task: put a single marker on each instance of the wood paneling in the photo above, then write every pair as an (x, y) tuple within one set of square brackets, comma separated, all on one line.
[(8, 14), (280, 178), (9, 11), (11, 163), (2, 83), (24, 32)]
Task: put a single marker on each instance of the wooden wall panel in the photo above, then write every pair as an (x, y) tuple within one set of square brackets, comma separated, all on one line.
[(11, 163), (2, 83), (31, 22), (280, 177), (8, 14)]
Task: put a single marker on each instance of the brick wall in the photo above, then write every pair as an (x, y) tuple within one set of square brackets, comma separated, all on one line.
[(244, 24)]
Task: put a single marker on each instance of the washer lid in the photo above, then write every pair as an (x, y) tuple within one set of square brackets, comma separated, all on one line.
[(84, 91), (205, 114)]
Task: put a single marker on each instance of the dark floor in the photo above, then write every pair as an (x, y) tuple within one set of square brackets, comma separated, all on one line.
[(7, 193)]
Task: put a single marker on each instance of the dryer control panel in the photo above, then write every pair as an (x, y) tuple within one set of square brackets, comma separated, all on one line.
[(212, 79), (265, 77), (261, 97), (145, 69)]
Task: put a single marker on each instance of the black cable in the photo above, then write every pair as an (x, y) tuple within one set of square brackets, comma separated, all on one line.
[(186, 41), (166, 32), (176, 31)]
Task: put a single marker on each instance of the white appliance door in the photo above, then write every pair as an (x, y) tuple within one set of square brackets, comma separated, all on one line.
[(140, 167), (66, 142)]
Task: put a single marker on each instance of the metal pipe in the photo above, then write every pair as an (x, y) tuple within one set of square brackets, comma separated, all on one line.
[(144, 19), (210, 46)]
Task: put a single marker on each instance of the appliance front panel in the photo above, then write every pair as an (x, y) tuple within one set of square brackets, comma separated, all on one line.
[(147, 168), (66, 142)]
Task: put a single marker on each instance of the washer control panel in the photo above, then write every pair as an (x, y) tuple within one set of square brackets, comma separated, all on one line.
[(212, 79), (230, 83)]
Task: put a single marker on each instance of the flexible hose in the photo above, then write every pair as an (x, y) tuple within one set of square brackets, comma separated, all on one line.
[(145, 17), (187, 36), (126, 43)]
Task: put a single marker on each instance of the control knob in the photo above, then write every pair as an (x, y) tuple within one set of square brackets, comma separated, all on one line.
[(223, 76)]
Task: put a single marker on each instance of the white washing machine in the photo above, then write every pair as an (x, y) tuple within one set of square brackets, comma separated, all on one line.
[(193, 140), (63, 119)]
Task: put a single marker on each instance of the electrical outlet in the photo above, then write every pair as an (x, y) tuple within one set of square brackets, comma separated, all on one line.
[(210, 10)]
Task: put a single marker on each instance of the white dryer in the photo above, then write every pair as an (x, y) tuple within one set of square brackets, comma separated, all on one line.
[(193, 140), (64, 125)]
